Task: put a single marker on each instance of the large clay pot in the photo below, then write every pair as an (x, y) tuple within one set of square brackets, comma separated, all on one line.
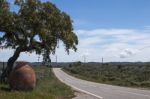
[(22, 77)]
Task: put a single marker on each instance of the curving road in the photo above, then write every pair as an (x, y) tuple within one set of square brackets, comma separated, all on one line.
[(101, 91)]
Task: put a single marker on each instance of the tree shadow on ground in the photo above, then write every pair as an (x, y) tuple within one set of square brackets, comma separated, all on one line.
[(5, 88)]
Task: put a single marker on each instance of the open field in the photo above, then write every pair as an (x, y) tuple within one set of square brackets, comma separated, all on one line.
[(48, 87), (122, 74)]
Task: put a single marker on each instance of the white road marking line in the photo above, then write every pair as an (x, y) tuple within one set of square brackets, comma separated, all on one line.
[(78, 89)]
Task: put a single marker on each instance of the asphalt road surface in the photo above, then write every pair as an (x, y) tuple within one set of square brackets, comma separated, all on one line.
[(101, 91)]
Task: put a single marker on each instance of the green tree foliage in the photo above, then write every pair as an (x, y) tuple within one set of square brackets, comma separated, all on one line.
[(36, 27)]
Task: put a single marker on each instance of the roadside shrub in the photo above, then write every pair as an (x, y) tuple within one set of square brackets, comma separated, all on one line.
[(145, 83), (123, 74)]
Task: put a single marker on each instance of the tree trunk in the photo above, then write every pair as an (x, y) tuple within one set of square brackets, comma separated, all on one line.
[(10, 64)]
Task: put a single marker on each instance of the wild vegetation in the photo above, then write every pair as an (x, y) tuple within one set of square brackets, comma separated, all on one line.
[(123, 74), (48, 87)]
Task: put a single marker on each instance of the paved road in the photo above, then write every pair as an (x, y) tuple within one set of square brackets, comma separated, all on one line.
[(101, 91)]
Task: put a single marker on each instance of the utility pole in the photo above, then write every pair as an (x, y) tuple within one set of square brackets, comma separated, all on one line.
[(84, 57), (3, 66), (39, 58), (102, 60), (56, 61), (56, 58)]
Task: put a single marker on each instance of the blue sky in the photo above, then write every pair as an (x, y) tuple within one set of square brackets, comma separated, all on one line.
[(92, 14), (118, 30)]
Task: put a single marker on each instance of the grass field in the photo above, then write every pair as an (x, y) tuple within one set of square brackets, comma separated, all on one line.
[(48, 87), (132, 75)]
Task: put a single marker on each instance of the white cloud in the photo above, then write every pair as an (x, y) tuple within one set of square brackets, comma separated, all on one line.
[(128, 53), (89, 41), (115, 44), (105, 32), (112, 44), (5, 54)]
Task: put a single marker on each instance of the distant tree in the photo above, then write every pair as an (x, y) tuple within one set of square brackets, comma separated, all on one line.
[(36, 27), (79, 63)]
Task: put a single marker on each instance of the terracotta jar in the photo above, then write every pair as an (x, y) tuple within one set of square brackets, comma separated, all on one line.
[(22, 77)]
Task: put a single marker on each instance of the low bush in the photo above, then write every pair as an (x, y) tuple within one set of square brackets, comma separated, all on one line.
[(123, 74)]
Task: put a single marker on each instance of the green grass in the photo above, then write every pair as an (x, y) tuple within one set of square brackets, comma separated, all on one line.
[(130, 75), (48, 87)]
